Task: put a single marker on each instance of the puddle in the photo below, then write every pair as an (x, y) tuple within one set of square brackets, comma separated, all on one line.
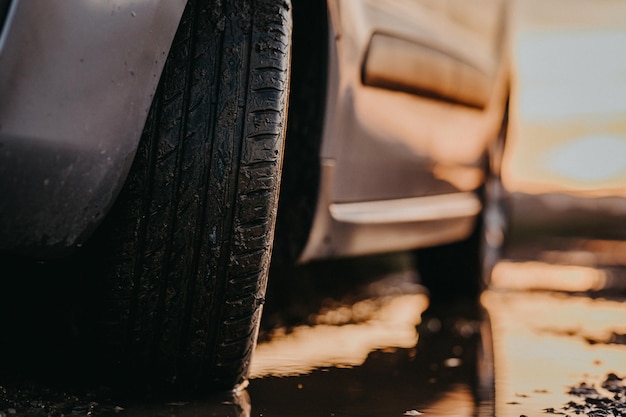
[(545, 329), (335, 344), (436, 374), (377, 348), (542, 348), (360, 338)]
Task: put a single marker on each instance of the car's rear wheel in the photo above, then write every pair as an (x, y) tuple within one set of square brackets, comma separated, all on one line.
[(452, 270), (463, 269), (188, 243)]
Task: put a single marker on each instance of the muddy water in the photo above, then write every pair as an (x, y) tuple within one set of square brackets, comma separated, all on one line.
[(377, 349), (360, 338), (547, 343), (518, 353)]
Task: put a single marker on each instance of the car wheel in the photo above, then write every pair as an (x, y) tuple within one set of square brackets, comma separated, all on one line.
[(495, 231), (188, 242), (301, 170), (463, 269), (452, 270)]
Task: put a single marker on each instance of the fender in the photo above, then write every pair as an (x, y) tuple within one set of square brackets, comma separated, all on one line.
[(76, 83)]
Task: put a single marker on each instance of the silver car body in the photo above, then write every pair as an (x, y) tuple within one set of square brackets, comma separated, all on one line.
[(416, 98), (76, 83)]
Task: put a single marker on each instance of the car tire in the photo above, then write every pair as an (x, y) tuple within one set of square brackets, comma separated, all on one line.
[(453, 270), (463, 269), (187, 245), (496, 225)]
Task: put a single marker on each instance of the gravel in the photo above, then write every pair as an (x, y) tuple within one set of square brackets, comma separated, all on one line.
[(606, 400)]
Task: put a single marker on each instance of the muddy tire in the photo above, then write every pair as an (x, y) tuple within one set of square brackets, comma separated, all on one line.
[(188, 243)]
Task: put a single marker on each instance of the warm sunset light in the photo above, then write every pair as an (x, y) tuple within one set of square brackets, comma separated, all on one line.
[(533, 275), (568, 120), (545, 344), (391, 323)]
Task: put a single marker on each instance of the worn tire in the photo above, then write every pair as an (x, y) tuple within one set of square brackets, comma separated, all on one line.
[(188, 243)]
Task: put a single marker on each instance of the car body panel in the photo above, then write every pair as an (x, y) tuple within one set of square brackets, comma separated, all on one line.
[(390, 137), (76, 83), (5, 10), (335, 234)]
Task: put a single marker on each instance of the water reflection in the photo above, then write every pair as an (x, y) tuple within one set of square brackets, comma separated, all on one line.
[(545, 343), (379, 348), (436, 375), (373, 345), (541, 329), (534, 275), (558, 316), (335, 342), (236, 404)]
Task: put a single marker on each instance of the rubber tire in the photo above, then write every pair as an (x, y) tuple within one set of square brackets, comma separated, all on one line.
[(454, 270), (463, 269), (189, 240)]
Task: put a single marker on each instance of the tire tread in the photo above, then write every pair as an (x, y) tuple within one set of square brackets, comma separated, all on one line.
[(201, 197)]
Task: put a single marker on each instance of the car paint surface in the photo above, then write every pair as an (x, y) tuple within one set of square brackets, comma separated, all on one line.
[(400, 150), (76, 83)]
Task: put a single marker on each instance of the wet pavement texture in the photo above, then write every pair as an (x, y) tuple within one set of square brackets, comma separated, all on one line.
[(361, 338)]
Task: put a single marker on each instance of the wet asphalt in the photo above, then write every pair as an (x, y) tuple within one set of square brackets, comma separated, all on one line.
[(361, 338)]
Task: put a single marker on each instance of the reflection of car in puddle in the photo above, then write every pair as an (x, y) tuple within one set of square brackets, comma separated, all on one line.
[(337, 340), (379, 354), (550, 337)]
